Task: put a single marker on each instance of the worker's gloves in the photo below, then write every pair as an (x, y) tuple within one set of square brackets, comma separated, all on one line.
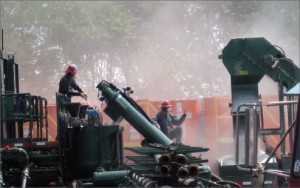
[(83, 95), (184, 115)]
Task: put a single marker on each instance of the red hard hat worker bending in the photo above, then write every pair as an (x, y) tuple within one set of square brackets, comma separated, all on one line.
[(67, 83)]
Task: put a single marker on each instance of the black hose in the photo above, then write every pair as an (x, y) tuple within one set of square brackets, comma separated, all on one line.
[(25, 176), (220, 181), (214, 177), (20, 153)]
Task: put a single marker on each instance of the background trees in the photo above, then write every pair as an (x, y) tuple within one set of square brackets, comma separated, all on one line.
[(162, 49)]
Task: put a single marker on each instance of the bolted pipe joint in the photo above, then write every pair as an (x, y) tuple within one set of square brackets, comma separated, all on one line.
[(181, 159), (193, 169), (164, 159), (183, 172), (164, 169)]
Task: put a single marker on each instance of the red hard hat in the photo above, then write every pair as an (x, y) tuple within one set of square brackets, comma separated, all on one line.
[(165, 103), (71, 69)]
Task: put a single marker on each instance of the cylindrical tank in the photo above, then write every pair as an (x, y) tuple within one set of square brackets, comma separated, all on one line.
[(82, 159), (92, 147), (120, 105), (108, 178)]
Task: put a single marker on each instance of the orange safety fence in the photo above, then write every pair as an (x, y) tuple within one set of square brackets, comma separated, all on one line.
[(209, 125), (131, 136)]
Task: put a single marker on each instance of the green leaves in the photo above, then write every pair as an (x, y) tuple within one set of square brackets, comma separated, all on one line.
[(170, 47)]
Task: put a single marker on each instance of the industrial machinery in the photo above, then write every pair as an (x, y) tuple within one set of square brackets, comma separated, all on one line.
[(248, 60), (26, 151), (87, 152), (294, 176)]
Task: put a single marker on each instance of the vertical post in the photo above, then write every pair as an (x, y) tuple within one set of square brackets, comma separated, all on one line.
[(294, 179), (2, 39), (251, 143), (1, 74), (281, 114)]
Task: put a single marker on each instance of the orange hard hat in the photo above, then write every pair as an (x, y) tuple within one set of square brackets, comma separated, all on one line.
[(71, 69), (165, 104)]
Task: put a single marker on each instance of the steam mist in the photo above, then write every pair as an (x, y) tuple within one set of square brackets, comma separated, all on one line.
[(176, 56), (187, 50)]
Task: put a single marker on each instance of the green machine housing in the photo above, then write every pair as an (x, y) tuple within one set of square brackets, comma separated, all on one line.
[(248, 60)]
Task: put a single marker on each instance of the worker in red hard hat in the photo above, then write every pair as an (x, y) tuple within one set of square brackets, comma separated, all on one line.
[(166, 120), (67, 83)]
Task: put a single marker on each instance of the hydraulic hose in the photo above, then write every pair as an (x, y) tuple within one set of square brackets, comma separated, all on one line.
[(22, 156), (25, 176), (141, 181)]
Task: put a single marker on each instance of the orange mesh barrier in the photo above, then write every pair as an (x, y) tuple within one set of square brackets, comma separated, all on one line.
[(208, 125)]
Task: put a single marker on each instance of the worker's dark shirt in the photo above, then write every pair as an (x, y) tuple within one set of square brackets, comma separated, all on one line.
[(67, 85), (166, 121)]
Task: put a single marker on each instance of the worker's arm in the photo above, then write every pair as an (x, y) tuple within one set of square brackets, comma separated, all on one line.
[(178, 121), (76, 87)]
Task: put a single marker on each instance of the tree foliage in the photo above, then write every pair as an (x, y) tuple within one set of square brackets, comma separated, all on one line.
[(161, 49)]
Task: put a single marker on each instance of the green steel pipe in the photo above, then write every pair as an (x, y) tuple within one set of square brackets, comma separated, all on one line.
[(120, 105), (109, 177)]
